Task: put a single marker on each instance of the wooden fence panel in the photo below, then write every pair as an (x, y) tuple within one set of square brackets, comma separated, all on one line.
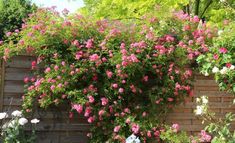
[(56, 127), (219, 102), (1, 84)]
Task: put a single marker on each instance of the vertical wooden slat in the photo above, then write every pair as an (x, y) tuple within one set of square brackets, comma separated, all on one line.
[(2, 84)]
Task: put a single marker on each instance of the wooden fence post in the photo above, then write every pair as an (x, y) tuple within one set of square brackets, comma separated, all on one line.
[(2, 84)]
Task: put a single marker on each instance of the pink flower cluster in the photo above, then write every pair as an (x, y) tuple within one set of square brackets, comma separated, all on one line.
[(113, 74), (204, 137)]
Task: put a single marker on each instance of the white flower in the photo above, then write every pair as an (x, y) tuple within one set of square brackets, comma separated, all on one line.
[(204, 99), (12, 123), (222, 1), (215, 70), (137, 140), (16, 113), (35, 121), (23, 121), (3, 115), (206, 74), (220, 32), (224, 70), (198, 100), (199, 110), (232, 67), (4, 126), (131, 139)]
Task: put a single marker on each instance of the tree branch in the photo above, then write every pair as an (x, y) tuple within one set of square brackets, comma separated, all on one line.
[(206, 7), (197, 6)]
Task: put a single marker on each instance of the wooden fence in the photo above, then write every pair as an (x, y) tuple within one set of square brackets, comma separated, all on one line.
[(56, 127)]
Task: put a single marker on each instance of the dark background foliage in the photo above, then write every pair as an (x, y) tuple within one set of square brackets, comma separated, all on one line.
[(12, 13)]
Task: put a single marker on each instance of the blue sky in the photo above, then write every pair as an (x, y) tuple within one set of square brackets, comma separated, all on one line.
[(71, 5)]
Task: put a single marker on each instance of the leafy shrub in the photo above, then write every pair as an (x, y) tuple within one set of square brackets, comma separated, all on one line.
[(219, 128), (173, 135), (122, 77), (13, 130), (220, 60), (12, 13)]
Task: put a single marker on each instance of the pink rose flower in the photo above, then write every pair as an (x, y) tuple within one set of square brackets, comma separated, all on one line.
[(65, 11), (204, 137), (33, 64), (87, 112), (115, 85), (120, 90), (116, 129), (133, 58), (91, 119), (71, 115), (59, 85), (127, 110), (169, 38), (94, 57), (78, 108), (48, 69), (89, 43), (186, 27), (149, 134), (33, 79), (52, 87), (75, 43), (8, 34), (56, 67), (123, 81), (101, 112), (104, 59), (135, 128), (110, 109), (109, 74), (26, 80), (118, 66), (146, 78), (37, 83), (104, 101), (91, 99), (128, 120), (78, 55), (63, 63), (170, 99), (133, 89), (175, 127), (156, 133), (223, 50), (190, 56), (228, 65), (196, 19)]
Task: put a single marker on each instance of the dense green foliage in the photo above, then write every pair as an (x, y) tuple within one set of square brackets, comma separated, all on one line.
[(106, 69), (218, 127), (130, 73), (12, 13), (220, 60), (127, 8), (211, 10)]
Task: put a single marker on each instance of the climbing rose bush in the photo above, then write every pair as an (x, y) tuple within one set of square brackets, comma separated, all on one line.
[(220, 59), (123, 78)]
